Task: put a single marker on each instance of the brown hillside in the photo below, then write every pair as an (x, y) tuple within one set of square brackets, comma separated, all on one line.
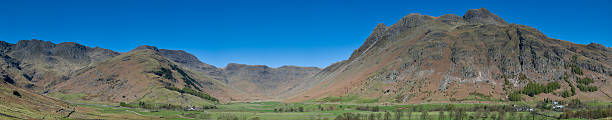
[(132, 76)]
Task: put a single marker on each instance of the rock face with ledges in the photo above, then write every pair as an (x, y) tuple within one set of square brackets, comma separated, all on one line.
[(483, 16), (422, 58)]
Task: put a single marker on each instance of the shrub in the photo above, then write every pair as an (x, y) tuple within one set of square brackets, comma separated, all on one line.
[(123, 104), (523, 77), (566, 94), (576, 70)]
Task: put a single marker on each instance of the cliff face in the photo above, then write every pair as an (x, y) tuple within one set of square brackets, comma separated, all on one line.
[(423, 58)]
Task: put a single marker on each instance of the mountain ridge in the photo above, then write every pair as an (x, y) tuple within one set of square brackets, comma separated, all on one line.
[(424, 54)]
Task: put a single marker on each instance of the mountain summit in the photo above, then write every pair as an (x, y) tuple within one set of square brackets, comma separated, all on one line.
[(484, 16)]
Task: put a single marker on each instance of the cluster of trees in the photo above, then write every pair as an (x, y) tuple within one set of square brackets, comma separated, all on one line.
[(514, 96), (145, 105), (585, 80), (566, 93), (533, 88), (588, 113), (587, 88), (151, 106), (290, 109), (328, 107), (576, 70), (583, 84), (368, 108), (371, 116), (193, 92)]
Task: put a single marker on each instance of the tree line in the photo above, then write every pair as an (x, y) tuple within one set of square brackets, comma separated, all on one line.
[(151, 106)]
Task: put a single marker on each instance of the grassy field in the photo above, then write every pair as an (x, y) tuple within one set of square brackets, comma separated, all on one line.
[(311, 110)]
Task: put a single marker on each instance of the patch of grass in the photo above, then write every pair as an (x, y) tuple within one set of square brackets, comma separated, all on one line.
[(349, 99), (165, 96), (68, 97)]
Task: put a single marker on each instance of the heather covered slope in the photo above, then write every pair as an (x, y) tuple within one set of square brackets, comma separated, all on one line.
[(461, 58)]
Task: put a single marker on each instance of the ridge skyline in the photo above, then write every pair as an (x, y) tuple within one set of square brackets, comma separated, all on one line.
[(298, 52)]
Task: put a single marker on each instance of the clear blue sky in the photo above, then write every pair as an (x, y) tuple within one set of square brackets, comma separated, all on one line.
[(273, 33)]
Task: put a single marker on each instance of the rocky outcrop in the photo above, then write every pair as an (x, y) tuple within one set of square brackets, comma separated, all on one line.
[(146, 47), (482, 16), (376, 35)]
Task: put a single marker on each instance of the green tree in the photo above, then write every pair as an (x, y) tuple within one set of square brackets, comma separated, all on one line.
[(387, 116), (566, 94), (441, 115), (398, 114)]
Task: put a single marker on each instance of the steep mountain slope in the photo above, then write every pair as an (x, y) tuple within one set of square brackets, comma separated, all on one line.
[(139, 75), (45, 64), (448, 58), (18, 103)]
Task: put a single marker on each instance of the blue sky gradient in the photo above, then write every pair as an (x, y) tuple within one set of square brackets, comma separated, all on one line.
[(273, 33)]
